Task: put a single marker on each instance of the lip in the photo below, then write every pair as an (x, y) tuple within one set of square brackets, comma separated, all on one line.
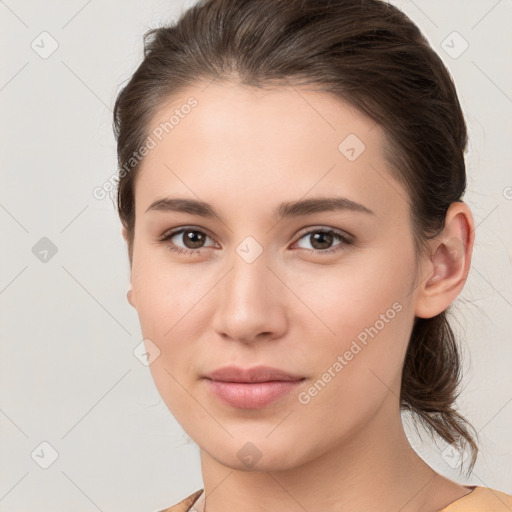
[(251, 388), (251, 375)]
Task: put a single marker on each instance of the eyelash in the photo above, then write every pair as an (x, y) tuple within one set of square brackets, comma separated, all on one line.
[(343, 238)]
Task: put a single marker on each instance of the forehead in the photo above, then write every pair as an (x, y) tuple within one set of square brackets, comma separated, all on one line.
[(250, 146), (249, 115)]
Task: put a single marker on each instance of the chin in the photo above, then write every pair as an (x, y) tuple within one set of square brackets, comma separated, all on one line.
[(255, 454)]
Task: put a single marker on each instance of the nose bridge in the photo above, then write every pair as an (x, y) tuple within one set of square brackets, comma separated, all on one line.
[(247, 287), (249, 297)]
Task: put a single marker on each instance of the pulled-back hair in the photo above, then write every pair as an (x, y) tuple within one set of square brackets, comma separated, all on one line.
[(369, 54)]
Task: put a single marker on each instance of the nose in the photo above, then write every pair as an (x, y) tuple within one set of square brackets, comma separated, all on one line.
[(251, 302)]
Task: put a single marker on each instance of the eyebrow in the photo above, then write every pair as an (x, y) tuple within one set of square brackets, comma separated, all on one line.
[(284, 210)]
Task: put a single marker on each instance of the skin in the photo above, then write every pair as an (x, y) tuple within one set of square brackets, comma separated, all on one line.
[(244, 151)]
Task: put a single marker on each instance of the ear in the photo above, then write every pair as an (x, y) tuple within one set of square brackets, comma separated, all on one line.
[(129, 293), (129, 296), (447, 267)]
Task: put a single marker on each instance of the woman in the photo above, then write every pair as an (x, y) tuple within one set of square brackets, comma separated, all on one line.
[(291, 183)]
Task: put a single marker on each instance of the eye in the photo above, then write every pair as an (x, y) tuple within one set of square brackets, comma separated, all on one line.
[(321, 240), (193, 240)]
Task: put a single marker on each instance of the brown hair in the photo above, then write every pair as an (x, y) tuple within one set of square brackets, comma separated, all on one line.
[(367, 53)]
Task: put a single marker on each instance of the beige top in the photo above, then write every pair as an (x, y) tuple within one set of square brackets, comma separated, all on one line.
[(480, 499)]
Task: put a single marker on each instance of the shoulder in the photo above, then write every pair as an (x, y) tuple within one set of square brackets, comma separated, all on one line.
[(482, 499), (185, 504)]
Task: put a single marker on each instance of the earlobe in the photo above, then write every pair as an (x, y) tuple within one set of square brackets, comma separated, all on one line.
[(129, 293), (450, 259), (129, 296)]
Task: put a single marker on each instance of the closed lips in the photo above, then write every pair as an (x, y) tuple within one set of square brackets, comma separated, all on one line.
[(252, 375)]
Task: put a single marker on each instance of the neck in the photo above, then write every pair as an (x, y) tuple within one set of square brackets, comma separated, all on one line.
[(373, 469)]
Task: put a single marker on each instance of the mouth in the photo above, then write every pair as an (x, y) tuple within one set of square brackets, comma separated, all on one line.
[(252, 375), (251, 388)]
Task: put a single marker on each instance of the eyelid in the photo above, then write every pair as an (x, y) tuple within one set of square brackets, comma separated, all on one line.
[(325, 229), (170, 233), (181, 229)]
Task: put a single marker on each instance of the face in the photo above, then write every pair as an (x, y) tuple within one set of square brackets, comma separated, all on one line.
[(321, 293)]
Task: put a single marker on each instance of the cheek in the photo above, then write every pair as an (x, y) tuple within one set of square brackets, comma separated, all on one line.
[(366, 318), (170, 304), (164, 294), (358, 295), (358, 369)]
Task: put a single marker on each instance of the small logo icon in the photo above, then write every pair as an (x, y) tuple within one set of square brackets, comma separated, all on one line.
[(351, 147), (146, 352), (249, 455), (44, 250), (454, 45), (44, 45), (45, 455), (453, 456), (249, 249)]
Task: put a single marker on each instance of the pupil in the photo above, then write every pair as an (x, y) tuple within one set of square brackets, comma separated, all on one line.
[(190, 235), (321, 236)]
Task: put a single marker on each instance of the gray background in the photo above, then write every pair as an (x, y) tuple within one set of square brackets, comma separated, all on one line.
[(68, 373)]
